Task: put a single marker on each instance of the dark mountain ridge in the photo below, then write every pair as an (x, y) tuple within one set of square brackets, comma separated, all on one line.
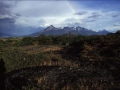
[(4, 35), (51, 30)]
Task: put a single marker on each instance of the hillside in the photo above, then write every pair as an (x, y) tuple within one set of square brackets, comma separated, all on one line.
[(62, 62), (4, 35)]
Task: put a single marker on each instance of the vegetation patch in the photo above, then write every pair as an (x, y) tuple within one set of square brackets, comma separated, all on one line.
[(61, 62)]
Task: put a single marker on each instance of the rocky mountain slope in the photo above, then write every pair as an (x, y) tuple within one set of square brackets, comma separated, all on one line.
[(51, 30)]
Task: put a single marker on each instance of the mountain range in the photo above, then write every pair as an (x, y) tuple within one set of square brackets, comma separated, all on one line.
[(51, 30), (4, 35)]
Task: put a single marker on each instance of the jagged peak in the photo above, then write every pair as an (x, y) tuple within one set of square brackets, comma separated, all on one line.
[(51, 26)]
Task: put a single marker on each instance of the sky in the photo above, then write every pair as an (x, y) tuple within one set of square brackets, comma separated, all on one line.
[(22, 17)]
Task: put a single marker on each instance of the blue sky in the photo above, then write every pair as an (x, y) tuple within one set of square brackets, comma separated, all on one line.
[(29, 16)]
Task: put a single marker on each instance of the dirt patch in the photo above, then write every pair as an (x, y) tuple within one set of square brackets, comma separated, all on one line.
[(33, 49)]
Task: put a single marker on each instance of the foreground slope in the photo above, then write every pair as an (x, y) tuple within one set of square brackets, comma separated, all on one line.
[(62, 62)]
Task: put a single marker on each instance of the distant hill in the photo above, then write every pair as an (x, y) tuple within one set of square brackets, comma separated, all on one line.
[(4, 35), (51, 30), (103, 32)]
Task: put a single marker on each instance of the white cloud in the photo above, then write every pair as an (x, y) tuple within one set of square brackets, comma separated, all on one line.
[(117, 24), (5, 16), (43, 8), (51, 12), (60, 13)]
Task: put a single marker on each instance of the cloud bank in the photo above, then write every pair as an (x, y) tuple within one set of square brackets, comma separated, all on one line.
[(25, 17)]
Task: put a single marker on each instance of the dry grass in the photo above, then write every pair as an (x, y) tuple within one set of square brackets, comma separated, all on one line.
[(54, 59), (33, 49)]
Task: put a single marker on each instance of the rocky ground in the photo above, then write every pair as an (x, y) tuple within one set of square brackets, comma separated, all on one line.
[(84, 77)]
